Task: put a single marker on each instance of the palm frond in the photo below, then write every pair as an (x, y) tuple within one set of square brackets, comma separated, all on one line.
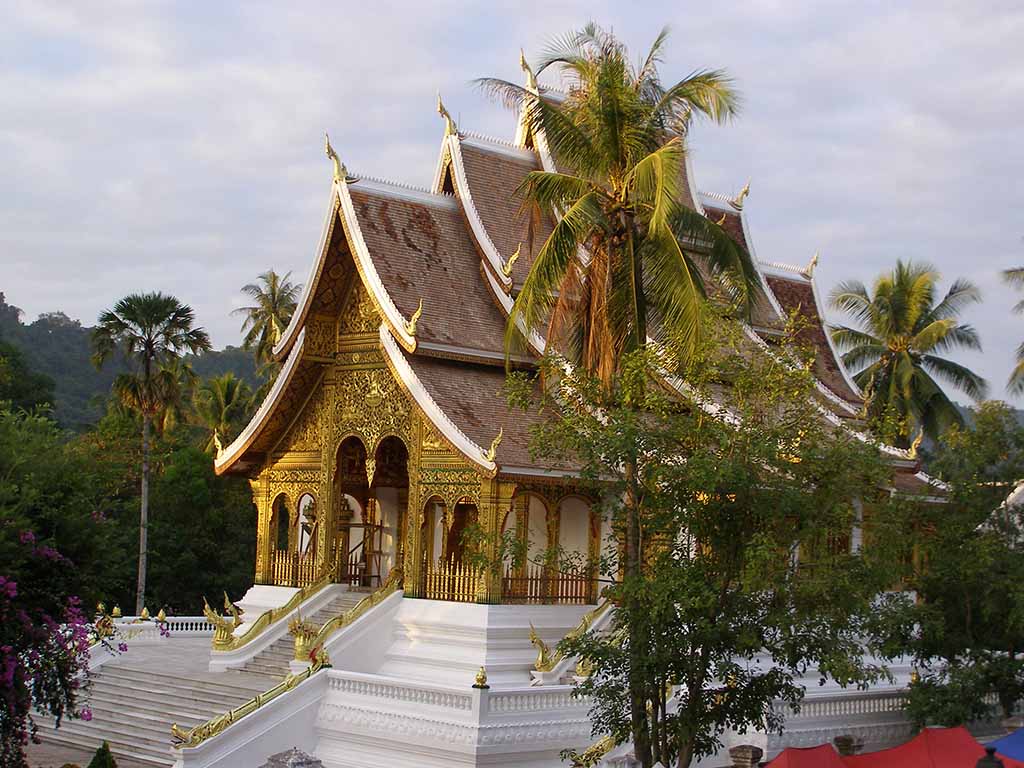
[(961, 377)]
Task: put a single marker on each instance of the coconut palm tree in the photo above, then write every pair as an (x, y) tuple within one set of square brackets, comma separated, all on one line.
[(625, 254), (221, 404), (1015, 278), (625, 250), (897, 350), (274, 298), (150, 331)]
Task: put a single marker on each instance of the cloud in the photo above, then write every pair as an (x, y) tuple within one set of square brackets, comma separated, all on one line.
[(179, 147)]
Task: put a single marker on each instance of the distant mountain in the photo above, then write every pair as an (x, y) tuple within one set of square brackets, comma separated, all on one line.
[(59, 347)]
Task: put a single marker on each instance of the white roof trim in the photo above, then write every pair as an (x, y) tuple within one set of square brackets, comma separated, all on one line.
[(534, 338), (691, 182), (404, 192), (498, 146), (435, 186), (231, 454), (481, 354), (302, 307), (437, 416), (476, 224), (789, 271), (368, 271), (828, 337)]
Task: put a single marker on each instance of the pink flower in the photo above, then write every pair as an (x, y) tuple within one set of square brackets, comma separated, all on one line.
[(27, 537), (122, 647), (85, 714)]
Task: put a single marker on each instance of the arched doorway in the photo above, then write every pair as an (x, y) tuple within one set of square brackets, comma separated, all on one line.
[(351, 493), (389, 495)]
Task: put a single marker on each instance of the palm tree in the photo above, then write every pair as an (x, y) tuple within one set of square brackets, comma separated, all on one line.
[(625, 254), (221, 403), (896, 351), (1015, 278), (151, 331), (625, 251), (265, 320)]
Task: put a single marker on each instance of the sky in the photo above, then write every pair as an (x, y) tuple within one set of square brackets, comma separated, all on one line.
[(179, 146)]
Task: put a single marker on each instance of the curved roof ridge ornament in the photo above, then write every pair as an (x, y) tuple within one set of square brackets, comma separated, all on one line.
[(506, 268), (450, 128), (808, 271), (410, 324), (737, 202), (492, 452), (531, 78), (340, 171)]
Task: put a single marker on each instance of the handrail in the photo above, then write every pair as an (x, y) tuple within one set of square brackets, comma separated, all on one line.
[(225, 640), (193, 737), (314, 647), (546, 660)]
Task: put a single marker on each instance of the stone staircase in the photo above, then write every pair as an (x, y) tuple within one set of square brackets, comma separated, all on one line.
[(272, 662), (134, 700)]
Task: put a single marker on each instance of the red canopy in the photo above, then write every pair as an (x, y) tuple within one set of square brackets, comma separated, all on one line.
[(931, 748)]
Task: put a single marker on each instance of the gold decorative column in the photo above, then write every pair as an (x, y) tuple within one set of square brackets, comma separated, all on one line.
[(412, 565), (264, 536), (495, 501)]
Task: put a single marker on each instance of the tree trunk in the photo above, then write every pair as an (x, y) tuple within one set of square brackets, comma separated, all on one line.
[(637, 641), (140, 587)]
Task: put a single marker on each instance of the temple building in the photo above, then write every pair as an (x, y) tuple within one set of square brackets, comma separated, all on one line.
[(385, 436)]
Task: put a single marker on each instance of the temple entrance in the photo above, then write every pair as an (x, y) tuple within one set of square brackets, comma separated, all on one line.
[(371, 508)]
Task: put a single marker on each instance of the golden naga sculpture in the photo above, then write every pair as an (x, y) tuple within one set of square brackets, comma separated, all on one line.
[(592, 754), (547, 661), (506, 268), (914, 446), (390, 585), (737, 202), (410, 324), (493, 450), (450, 129), (223, 630), (721, 221), (193, 737), (543, 662), (304, 632)]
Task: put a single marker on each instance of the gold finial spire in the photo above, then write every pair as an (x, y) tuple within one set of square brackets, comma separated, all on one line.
[(410, 324), (916, 444), (737, 202), (493, 450), (531, 79), (507, 267), (480, 681), (217, 444), (808, 271), (721, 221), (449, 124), (340, 172)]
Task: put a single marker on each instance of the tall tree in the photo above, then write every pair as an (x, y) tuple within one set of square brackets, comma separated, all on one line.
[(625, 254), (274, 299), (897, 349), (1015, 278), (151, 331), (221, 403)]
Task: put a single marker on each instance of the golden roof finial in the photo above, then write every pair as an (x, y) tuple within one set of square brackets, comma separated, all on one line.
[(449, 124), (531, 79), (410, 324), (217, 444), (912, 452), (493, 450), (506, 269), (737, 202), (808, 271), (721, 221), (340, 172)]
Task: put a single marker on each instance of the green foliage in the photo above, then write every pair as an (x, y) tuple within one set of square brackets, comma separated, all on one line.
[(619, 142), (743, 522), (58, 347), (202, 533), (967, 629), (222, 405), (898, 349), (20, 386), (1015, 386), (274, 299), (102, 758)]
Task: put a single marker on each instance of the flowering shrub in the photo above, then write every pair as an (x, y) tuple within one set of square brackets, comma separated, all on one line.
[(44, 647)]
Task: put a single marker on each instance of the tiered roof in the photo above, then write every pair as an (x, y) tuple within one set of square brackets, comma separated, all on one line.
[(442, 266)]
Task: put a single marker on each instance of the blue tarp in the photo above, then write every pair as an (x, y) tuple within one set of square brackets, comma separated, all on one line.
[(1012, 745)]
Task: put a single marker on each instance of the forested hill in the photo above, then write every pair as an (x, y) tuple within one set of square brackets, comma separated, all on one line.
[(57, 346)]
